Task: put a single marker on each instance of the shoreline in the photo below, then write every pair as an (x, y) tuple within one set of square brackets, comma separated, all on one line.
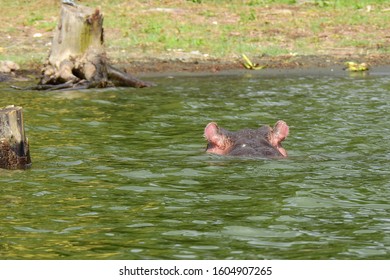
[(176, 66), (157, 37), (153, 66)]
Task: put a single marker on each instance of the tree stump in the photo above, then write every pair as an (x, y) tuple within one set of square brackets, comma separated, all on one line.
[(77, 57), (14, 148)]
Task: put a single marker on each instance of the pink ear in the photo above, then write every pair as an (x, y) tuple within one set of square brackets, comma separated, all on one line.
[(210, 131), (217, 142), (281, 130)]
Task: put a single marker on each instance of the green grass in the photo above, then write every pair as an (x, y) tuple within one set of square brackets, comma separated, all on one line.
[(220, 28)]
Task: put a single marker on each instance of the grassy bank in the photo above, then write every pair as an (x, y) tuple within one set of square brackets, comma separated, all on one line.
[(204, 29)]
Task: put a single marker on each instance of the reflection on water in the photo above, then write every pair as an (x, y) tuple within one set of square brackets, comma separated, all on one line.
[(122, 173)]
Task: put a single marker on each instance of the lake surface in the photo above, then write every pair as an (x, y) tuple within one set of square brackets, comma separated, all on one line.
[(122, 174)]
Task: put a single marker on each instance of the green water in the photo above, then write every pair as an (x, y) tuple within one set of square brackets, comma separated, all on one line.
[(122, 173)]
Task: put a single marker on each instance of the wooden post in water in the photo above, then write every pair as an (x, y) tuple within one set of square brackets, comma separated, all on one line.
[(14, 148)]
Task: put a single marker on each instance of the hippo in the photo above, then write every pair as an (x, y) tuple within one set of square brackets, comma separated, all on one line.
[(264, 141)]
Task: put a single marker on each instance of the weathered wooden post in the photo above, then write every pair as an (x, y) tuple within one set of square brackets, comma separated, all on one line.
[(14, 148), (78, 57)]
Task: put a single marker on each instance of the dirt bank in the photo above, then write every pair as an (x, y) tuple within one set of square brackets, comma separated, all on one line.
[(155, 65), (190, 36), (148, 66)]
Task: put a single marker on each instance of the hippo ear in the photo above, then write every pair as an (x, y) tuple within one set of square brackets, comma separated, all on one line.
[(281, 130), (214, 137), (211, 133)]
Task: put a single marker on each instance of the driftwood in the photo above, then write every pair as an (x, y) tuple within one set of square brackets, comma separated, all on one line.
[(14, 148), (77, 58)]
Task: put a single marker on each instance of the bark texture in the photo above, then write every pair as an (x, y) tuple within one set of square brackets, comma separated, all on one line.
[(14, 147), (78, 57)]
